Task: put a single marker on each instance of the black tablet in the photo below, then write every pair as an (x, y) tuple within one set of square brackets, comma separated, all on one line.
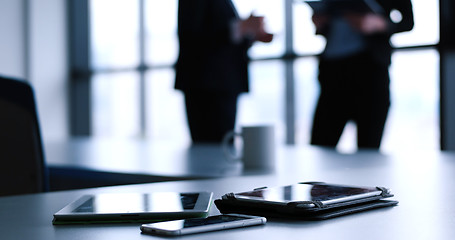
[(135, 207), (344, 6), (309, 201)]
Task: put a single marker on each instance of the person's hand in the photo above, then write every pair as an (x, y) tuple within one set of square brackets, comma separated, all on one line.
[(367, 23), (320, 20), (253, 27), (250, 26), (264, 37)]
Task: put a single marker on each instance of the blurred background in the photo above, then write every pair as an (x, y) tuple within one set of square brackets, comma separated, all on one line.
[(104, 68)]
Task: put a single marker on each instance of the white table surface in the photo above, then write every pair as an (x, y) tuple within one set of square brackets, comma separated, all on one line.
[(137, 156), (423, 182)]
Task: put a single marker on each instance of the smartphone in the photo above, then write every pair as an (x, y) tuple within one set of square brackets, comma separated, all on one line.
[(197, 225)]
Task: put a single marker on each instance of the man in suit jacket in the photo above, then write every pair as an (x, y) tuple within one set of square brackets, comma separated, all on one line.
[(212, 68), (353, 72)]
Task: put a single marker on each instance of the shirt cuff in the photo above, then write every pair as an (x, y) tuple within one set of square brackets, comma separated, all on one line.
[(236, 35)]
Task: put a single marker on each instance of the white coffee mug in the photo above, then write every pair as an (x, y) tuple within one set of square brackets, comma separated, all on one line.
[(257, 150)]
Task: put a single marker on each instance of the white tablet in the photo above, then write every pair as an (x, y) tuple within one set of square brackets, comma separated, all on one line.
[(135, 207)]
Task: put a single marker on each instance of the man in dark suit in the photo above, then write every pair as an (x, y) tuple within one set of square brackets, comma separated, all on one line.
[(353, 72), (212, 68)]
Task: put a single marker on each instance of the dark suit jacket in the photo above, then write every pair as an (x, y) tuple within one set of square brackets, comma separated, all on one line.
[(208, 58), (379, 44)]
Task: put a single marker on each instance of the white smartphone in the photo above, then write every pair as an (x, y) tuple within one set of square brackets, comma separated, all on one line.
[(197, 225)]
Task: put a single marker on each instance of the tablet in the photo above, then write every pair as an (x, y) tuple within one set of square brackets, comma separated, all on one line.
[(308, 194), (344, 6), (135, 207)]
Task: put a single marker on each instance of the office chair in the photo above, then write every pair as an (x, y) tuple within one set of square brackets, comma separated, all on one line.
[(22, 165)]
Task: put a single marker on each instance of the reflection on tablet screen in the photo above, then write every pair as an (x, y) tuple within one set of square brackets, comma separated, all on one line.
[(307, 192), (128, 203)]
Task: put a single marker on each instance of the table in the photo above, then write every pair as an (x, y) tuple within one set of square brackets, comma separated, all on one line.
[(423, 182), (92, 162)]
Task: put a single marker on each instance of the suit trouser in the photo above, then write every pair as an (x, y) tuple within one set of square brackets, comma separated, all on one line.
[(354, 88), (210, 114)]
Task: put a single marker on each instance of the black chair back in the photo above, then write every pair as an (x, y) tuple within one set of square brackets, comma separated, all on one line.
[(22, 164)]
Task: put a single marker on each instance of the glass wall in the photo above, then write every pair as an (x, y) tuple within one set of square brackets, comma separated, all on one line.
[(273, 11), (116, 32), (115, 28)]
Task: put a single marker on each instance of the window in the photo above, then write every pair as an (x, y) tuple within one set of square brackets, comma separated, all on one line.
[(273, 12), (115, 28), (161, 32), (426, 25), (134, 46)]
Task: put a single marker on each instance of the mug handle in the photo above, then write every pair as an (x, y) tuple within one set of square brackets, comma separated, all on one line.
[(231, 155)]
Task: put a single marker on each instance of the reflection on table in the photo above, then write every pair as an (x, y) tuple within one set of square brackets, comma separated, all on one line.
[(422, 182)]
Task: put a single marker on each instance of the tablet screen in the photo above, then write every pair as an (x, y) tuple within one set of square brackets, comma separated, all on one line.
[(137, 203), (309, 192), (118, 207)]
